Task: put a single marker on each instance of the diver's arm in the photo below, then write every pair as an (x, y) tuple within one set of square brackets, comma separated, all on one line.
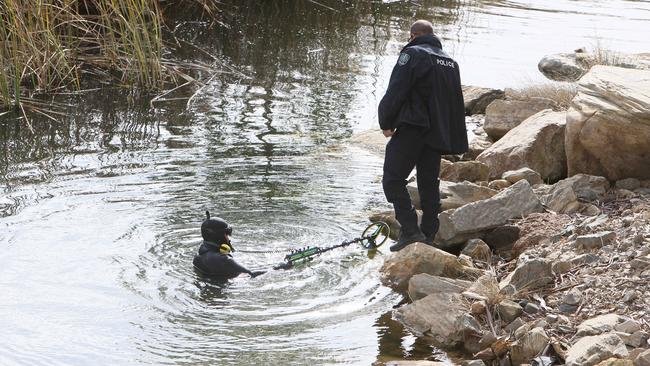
[(241, 269)]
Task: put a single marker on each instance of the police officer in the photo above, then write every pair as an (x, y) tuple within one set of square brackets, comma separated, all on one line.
[(214, 258), (424, 114)]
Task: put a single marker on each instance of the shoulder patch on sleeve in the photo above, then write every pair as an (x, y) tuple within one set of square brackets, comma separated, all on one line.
[(403, 59)]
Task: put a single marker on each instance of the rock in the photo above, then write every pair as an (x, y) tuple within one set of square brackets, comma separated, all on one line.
[(389, 218), (595, 241), (422, 285), (371, 140), (473, 363), (571, 66), (640, 263), (551, 318), (472, 171), (436, 316), (529, 346), (514, 176), (478, 250), (531, 308), (636, 339), (502, 116), (528, 275), (514, 202), (573, 297), (417, 258), (453, 194), (616, 362), (499, 184), (567, 309), (502, 238), (561, 199), (586, 187), (477, 98), (629, 326), (643, 359), (478, 308), (590, 210), (537, 143), (611, 105), (477, 146), (630, 184), (591, 350), (509, 310), (414, 363), (514, 325), (561, 67), (599, 325)]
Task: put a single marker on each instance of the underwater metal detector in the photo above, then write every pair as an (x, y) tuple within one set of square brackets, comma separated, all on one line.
[(372, 237)]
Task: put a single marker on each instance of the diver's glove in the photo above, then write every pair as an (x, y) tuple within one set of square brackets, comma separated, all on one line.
[(256, 273)]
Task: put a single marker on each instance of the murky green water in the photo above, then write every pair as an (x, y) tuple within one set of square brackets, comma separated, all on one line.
[(99, 215)]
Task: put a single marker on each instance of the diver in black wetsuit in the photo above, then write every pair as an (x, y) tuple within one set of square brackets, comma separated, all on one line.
[(214, 258)]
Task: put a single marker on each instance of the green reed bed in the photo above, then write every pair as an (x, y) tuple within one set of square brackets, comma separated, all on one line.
[(52, 45)]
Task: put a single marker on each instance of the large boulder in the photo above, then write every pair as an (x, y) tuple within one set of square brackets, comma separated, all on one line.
[(436, 316), (477, 98), (417, 258), (476, 217), (454, 194), (571, 66), (561, 67), (588, 351), (537, 143), (608, 124), (502, 116), (422, 285)]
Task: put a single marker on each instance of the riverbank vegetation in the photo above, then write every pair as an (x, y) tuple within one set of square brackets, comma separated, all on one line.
[(51, 46)]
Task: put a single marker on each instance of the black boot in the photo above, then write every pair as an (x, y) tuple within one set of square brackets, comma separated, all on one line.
[(431, 236), (406, 238)]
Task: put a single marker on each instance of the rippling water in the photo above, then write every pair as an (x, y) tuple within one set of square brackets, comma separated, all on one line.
[(99, 215)]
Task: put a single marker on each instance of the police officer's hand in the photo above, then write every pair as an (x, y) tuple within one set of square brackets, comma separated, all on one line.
[(257, 273), (388, 133)]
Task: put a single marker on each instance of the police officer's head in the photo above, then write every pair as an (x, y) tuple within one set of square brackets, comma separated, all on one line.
[(421, 28), (215, 230)]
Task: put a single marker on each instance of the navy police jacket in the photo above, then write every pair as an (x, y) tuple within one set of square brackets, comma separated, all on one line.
[(424, 90)]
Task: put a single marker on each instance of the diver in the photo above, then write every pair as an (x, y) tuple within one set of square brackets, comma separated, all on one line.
[(214, 258)]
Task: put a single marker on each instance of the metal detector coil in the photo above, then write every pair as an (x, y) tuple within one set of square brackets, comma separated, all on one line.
[(373, 236)]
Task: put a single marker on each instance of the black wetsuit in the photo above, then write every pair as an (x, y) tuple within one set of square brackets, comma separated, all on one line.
[(211, 262)]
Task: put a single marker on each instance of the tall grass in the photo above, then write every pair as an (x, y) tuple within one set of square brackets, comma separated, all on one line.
[(48, 45)]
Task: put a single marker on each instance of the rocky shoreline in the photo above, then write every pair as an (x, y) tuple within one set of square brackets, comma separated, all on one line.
[(543, 255)]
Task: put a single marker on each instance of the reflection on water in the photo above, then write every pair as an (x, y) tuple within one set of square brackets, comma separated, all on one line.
[(99, 214)]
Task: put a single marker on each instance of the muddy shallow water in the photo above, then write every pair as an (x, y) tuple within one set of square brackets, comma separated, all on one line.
[(99, 214)]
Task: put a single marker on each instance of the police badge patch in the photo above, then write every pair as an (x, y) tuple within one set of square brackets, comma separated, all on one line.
[(403, 59)]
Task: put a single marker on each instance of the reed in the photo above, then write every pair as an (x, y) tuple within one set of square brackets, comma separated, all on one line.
[(51, 45)]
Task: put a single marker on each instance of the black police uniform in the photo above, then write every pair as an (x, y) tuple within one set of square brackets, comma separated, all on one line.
[(424, 102), (211, 262)]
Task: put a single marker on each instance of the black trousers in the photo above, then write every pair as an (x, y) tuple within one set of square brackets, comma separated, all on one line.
[(407, 149)]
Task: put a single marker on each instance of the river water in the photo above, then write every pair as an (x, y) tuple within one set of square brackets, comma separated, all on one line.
[(100, 213)]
